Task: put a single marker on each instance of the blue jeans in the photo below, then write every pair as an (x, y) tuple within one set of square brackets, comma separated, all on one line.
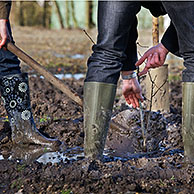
[(9, 63)]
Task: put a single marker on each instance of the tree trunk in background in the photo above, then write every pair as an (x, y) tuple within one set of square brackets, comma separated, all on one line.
[(44, 17), (73, 15), (59, 15), (160, 77), (89, 8), (21, 14), (67, 18)]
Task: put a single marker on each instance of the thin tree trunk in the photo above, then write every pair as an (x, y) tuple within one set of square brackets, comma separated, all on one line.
[(89, 22), (59, 15), (44, 18), (21, 14), (73, 15), (67, 18)]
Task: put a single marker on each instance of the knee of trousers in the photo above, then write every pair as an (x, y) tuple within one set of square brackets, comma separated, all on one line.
[(103, 68)]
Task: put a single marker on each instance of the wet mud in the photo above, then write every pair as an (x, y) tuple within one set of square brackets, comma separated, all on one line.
[(126, 168)]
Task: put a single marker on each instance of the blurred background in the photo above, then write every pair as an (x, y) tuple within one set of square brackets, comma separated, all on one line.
[(52, 32)]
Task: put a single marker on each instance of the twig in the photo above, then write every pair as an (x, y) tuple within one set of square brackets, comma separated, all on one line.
[(142, 45), (142, 125), (151, 99), (142, 118), (152, 89), (152, 96), (89, 36), (160, 87), (153, 84)]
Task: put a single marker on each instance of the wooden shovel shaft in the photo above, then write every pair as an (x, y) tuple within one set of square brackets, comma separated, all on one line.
[(42, 71)]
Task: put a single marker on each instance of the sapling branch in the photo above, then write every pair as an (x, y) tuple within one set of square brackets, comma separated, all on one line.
[(152, 96), (143, 46), (89, 36), (143, 129), (153, 85)]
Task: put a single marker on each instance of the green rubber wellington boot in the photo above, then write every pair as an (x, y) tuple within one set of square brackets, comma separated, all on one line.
[(188, 121), (98, 104), (16, 98)]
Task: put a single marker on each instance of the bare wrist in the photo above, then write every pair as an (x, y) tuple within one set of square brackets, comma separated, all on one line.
[(126, 72), (164, 48)]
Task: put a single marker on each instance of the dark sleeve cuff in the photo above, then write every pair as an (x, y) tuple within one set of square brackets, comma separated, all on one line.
[(5, 7), (170, 40)]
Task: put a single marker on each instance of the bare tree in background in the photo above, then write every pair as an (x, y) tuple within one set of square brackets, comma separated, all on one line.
[(73, 14), (21, 13), (89, 11), (67, 16), (46, 15), (59, 15)]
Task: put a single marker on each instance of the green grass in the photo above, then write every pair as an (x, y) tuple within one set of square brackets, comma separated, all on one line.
[(66, 192), (174, 78)]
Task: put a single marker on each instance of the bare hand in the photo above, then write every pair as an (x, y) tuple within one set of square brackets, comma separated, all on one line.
[(155, 58), (132, 92), (3, 32)]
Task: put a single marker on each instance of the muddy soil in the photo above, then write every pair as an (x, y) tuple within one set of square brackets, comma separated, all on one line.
[(128, 166), (126, 169)]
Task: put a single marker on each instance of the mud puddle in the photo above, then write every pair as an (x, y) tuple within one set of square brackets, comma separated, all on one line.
[(62, 76), (42, 155)]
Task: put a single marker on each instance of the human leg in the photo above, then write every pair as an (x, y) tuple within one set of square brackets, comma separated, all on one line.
[(16, 98), (182, 14), (15, 95), (9, 63), (115, 20)]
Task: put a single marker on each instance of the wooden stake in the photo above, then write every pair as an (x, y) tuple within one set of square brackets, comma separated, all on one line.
[(155, 30), (160, 101)]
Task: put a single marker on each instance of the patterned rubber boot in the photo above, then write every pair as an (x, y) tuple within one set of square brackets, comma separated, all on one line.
[(16, 98)]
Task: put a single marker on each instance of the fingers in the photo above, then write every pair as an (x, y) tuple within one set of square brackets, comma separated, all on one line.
[(3, 41), (142, 59), (132, 92), (153, 61), (133, 99), (3, 32), (147, 67), (139, 97)]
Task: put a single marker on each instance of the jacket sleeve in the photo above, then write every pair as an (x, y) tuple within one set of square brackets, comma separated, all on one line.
[(5, 7), (170, 40)]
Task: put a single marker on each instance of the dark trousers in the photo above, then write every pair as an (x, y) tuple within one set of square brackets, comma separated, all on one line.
[(116, 42), (182, 16), (9, 63), (115, 50)]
